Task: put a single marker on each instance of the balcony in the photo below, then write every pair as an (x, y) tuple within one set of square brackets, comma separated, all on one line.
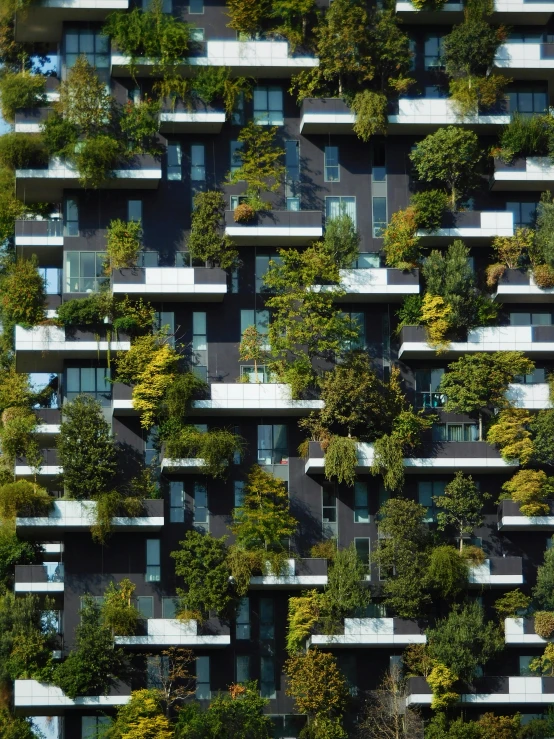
[(422, 115), (526, 61), (497, 571), (198, 118), (525, 174), (521, 632), (514, 12), (49, 420), (266, 59), (519, 286), (171, 283), (45, 578), (48, 184), (533, 397), (45, 236), (39, 699), (490, 691), (45, 348), (79, 515), (373, 284), (49, 468), (372, 632), (183, 466), (31, 120), (536, 340), (469, 456), (510, 518), (42, 20), (298, 573), (171, 632), (479, 226), (326, 115), (276, 228), (253, 398)]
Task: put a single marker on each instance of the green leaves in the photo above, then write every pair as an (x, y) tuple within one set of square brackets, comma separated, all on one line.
[(461, 505), (261, 161), (123, 243), (207, 240)]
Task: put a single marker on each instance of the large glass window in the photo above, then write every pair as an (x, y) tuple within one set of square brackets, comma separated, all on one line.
[(536, 377), (145, 606), (455, 432), (174, 161), (361, 502), (201, 514), (71, 218), (176, 502), (52, 277), (362, 545), (433, 51), (331, 164), (273, 445), (84, 271), (94, 726), (268, 106), (198, 163), (200, 343), (379, 214), (426, 491), (267, 619), (153, 566), (196, 6), (92, 44), (203, 691), (528, 100), (427, 388), (134, 210), (267, 674), (292, 177), (169, 607), (336, 205), (524, 213), (93, 381), (243, 668), (236, 160), (536, 318), (329, 512), (258, 318), (243, 619)]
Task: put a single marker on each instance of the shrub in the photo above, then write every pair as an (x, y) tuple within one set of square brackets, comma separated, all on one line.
[(108, 506), (22, 150), (544, 623), (123, 243), (511, 604), (525, 136), (23, 498), (18, 438), (140, 123), (303, 616), (22, 294), (117, 611), (544, 665), (448, 572), (20, 90), (430, 207), (511, 250), (441, 681), (341, 460), (207, 240), (216, 447), (409, 313), (216, 84), (370, 109), (544, 275), (473, 555), (388, 461), (316, 684), (85, 100), (59, 136), (243, 213), (531, 489), (96, 158), (400, 240), (494, 273), (542, 427), (510, 433), (89, 311), (435, 314)]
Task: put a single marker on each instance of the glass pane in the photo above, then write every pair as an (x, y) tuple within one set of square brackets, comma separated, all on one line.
[(72, 42), (153, 551), (260, 98), (199, 323), (520, 319), (176, 494), (362, 549), (455, 432), (239, 493), (196, 6), (203, 669), (73, 380), (145, 606), (541, 319), (169, 607), (243, 668), (134, 210)]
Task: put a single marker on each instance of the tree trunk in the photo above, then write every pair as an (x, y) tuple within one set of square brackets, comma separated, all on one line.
[(461, 540), (480, 426)]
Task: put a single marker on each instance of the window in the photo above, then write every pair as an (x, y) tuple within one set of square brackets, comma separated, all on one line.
[(537, 376), (201, 514), (524, 665), (153, 568), (200, 343), (157, 669), (267, 619), (197, 34), (329, 524), (427, 386), (169, 607), (267, 675), (268, 106), (358, 322), (148, 259), (362, 550), (92, 44), (151, 444), (243, 668), (292, 176), (145, 606), (426, 491), (455, 432), (173, 161), (167, 5), (243, 619), (176, 502), (379, 168), (259, 318), (272, 444), (52, 277), (524, 213), (197, 163), (528, 100), (94, 726), (542, 318), (71, 218), (196, 6), (238, 490), (262, 266), (361, 503), (336, 205), (331, 164), (433, 52), (379, 212), (84, 271), (93, 381), (203, 691), (134, 210), (367, 260), (236, 160)]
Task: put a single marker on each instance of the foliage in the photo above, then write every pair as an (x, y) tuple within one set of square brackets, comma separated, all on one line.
[(531, 489), (23, 498), (261, 166), (385, 714), (141, 718), (542, 427), (370, 109), (89, 311), (243, 213), (20, 90), (400, 240), (499, 727), (473, 555), (303, 616), (341, 460), (525, 136), (409, 313), (123, 243), (94, 664), (18, 438), (171, 670), (543, 591), (84, 100), (544, 665), (21, 150), (14, 551), (441, 681), (96, 158), (447, 572), (510, 433), (544, 623), (346, 592), (12, 727), (140, 123), (470, 95), (86, 448), (22, 294), (247, 16), (544, 232), (464, 640), (292, 17), (217, 447), (461, 506), (450, 155), (252, 347), (511, 250), (435, 314), (217, 85), (478, 382), (179, 394), (511, 604), (11, 207), (206, 241), (388, 461), (316, 684), (341, 241), (109, 505), (416, 660), (441, 728), (430, 207), (202, 563), (117, 611), (543, 274), (59, 135)]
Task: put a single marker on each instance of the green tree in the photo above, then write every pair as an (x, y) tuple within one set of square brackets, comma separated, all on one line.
[(478, 382), (542, 428), (461, 506), (510, 432), (385, 715), (440, 727), (511, 604), (261, 163), (22, 294), (447, 572), (292, 17), (450, 156), (14, 551), (449, 275), (252, 347), (207, 240), (247, 16), (117, 610), (84, 100), (141, 718), (499, 727), (341, 240), (531, 489), (123, 243), (86, 449), (464, 640), (12, 727), (544, 589), (202, 564), (21, 90), (401, 242), (94, 664), (346, 592)]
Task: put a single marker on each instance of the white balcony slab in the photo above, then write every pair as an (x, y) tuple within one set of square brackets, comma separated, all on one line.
[(48, 429), (481, 575), (183, 466), (514, 11), (514, 634), (76, 515), (532, 397), (252, 398), (33, 694), (524, 57), (531, 293), (366, 632), (522, 690), (338, 122), (39, 587), (172, 632), (39, 241), (422, 113), (41, 20), (373, 283), (538, 173), (45, 470), (492, 224), (288, 578), (169, 283), (245, 235), (194, 121)]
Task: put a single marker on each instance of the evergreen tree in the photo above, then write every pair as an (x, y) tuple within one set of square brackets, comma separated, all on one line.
[(461, 506), (544, 589), (449, 275), (207, 240)]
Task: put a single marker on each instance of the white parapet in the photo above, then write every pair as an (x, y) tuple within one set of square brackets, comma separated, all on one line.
[(81, 514), (53, 339), (514, 634), (167, 281), (173, 632), (288, 578), (485, 339), (532, 397), (366, 632), (492, 224), (33, 694), (244, 397), (521, 690), (481, 575), (374, 281), (518, 55), (439, 112)]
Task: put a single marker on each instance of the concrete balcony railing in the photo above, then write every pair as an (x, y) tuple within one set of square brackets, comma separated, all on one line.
[(536, 340), (372, 632), (42, 20), (45, 348), (523, 174), (171, 283), (474, 225), (497, 571), (322, 115), (196, 118), (171, 632), (519, 286), (144, 172), (31, 120), (183, 466), (469, 456), (41, 699), (45, 578), (298, 573), (526, 60), (490, 691), (532, 397), (49, 420), (510, 518), (79, 515), (50, 466), (374, 284), (517, 12), (44, 233), (266, 59), (521, 632), (276, 227), (253, 398)]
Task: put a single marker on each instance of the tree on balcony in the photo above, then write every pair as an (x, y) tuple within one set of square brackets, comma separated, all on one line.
[(21, 90), (207, 241), (531, 489), (510, 433), (123, 243), (22, 294), (117, 610), (142, 718), (12, 727), (385, 715), (14, 551), (461, 506), (543, 591), (542, 427)]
